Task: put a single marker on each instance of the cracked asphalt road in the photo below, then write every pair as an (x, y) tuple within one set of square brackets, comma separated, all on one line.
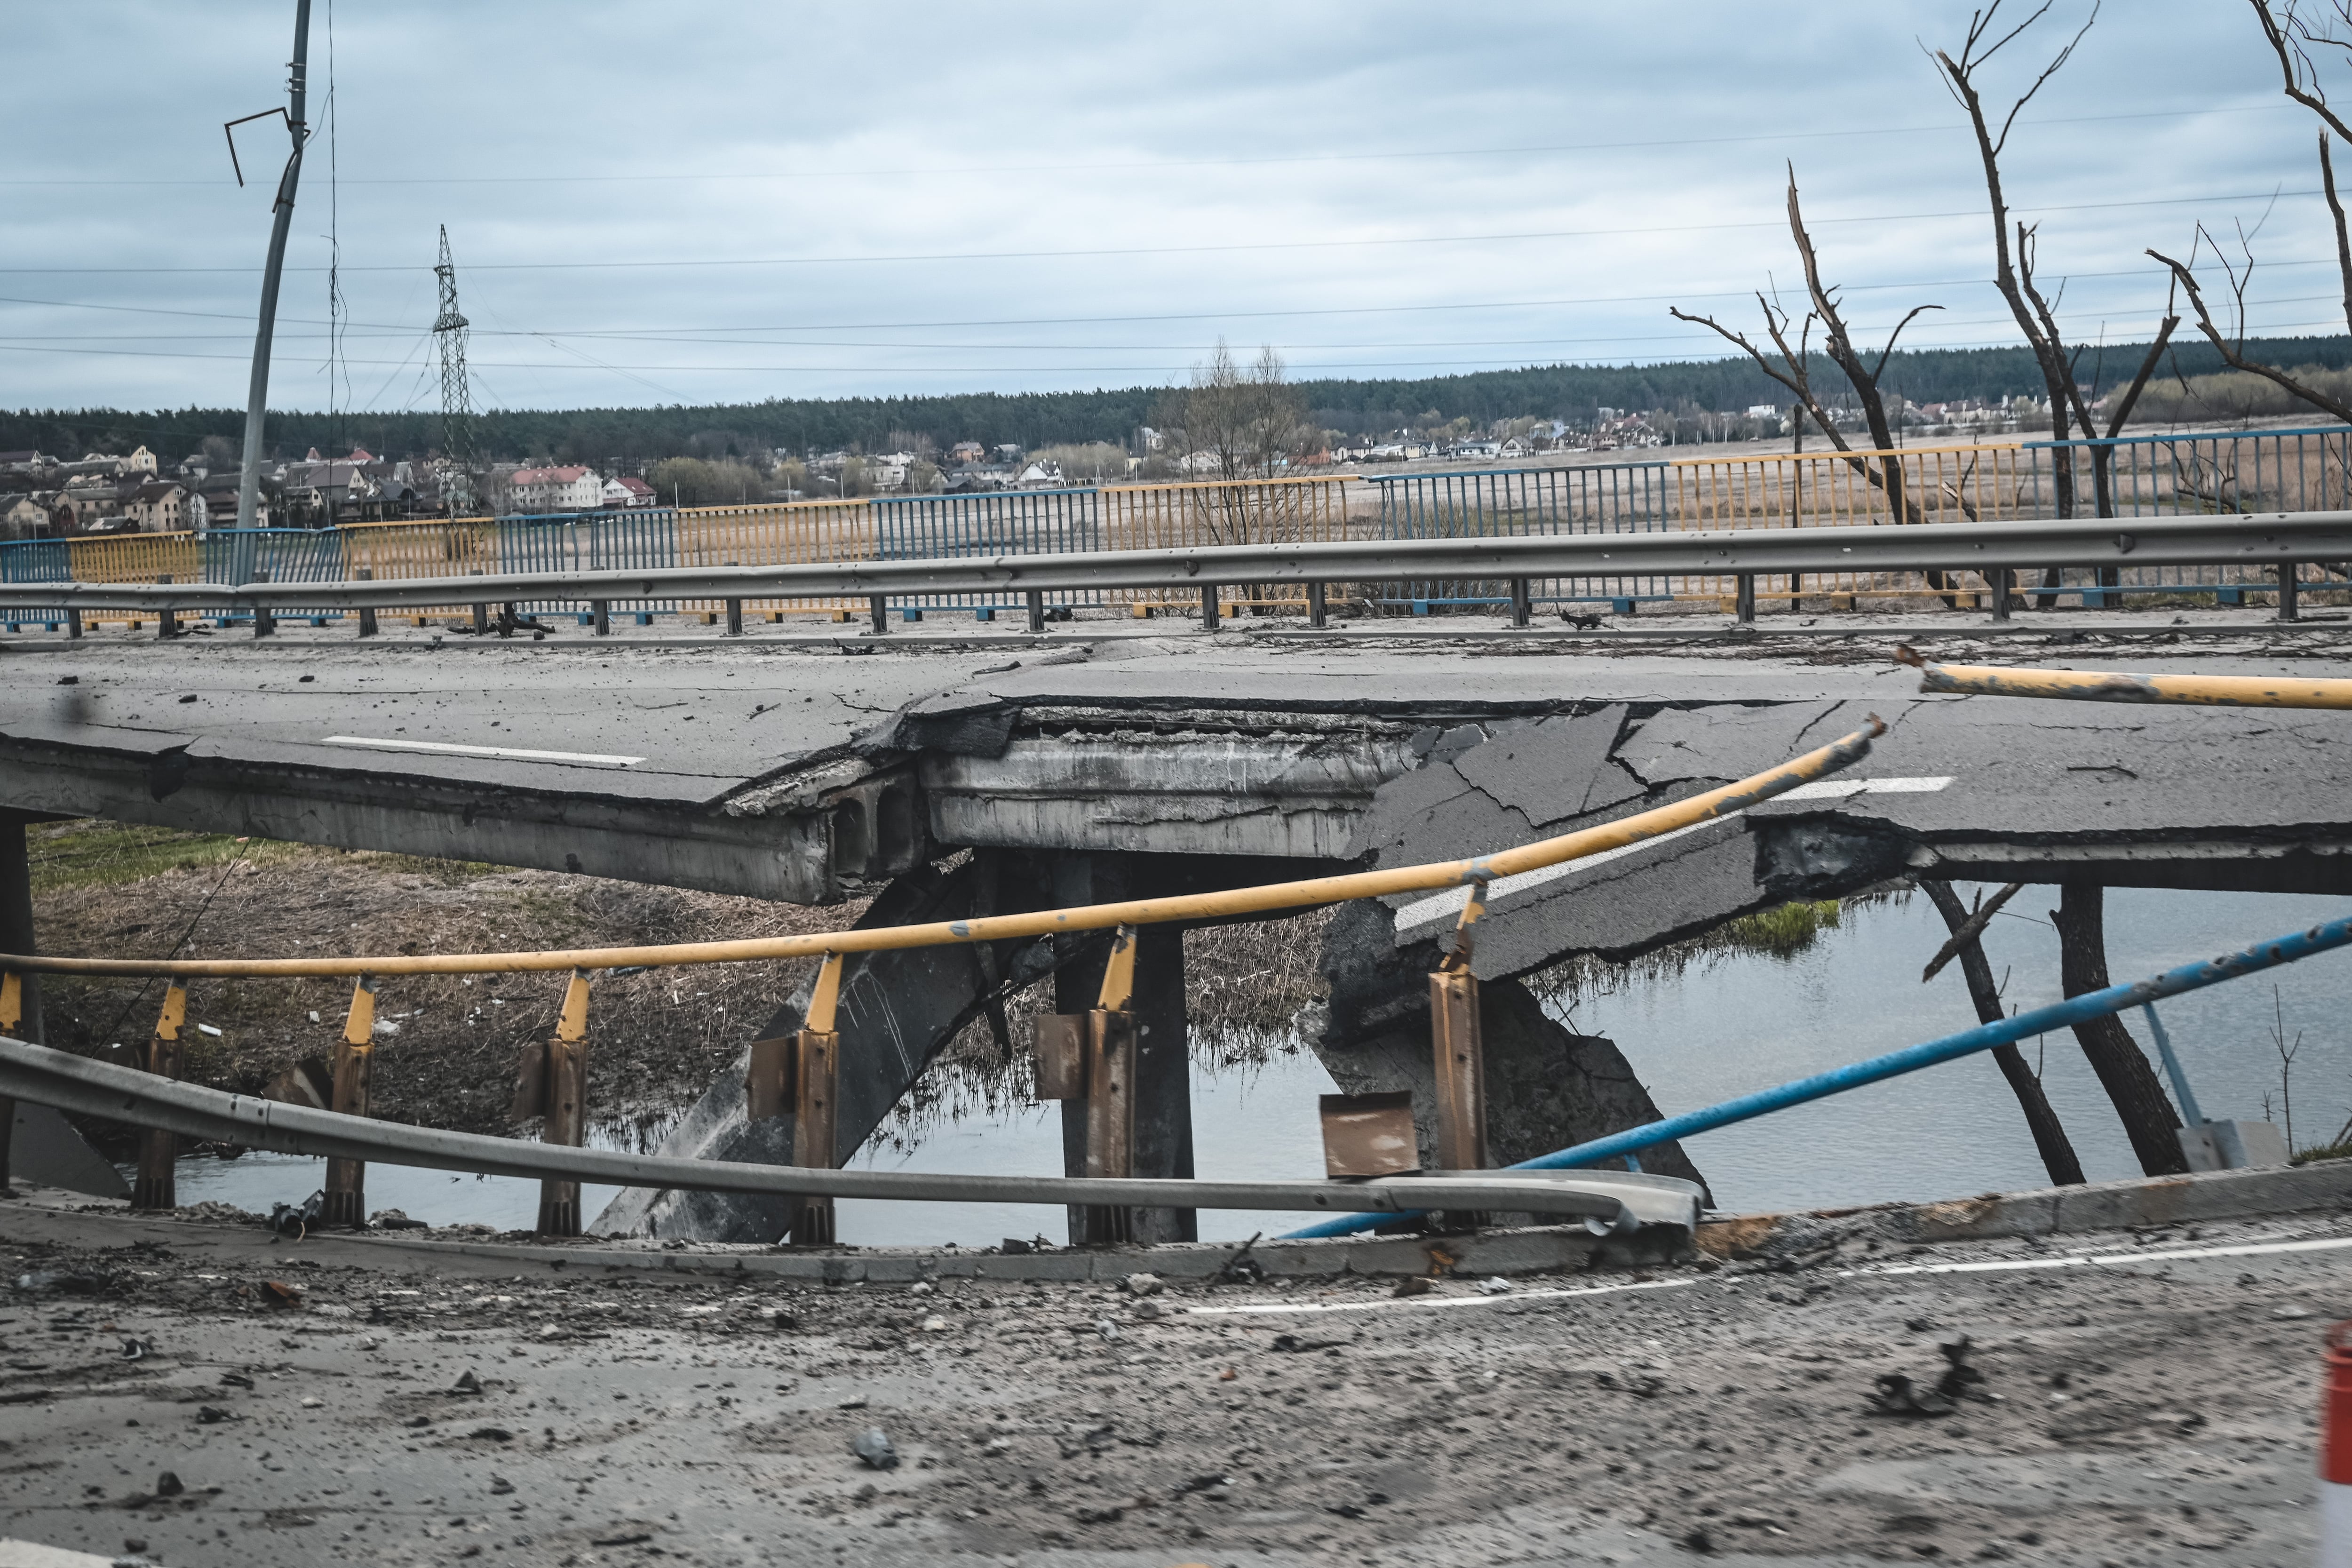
[(2154, 1408)]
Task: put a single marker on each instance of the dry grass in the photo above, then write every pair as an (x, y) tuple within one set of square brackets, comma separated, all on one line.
[(657, 1038)]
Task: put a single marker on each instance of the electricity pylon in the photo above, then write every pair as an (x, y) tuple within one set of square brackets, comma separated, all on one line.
[(457, 400)]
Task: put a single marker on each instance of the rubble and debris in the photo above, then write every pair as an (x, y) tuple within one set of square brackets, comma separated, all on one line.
[(876, 1449)]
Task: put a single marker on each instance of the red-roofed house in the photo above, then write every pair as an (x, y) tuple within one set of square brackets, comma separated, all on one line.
[(555, 490), (626, 491)]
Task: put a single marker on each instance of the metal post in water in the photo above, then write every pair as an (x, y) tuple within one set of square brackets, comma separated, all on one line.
[(249, 486), (567, 1106), (158, 1183), (815, 1100), (354, 1065)]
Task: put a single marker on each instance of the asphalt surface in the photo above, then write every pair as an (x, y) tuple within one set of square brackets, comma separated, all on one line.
[(707, 715), (2139, 1399)]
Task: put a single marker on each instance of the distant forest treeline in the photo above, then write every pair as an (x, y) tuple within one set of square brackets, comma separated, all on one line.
[(1039, 419)]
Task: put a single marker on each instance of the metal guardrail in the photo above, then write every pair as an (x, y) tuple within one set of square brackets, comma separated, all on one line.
[(84, 1087), (2249, 544), (1089, 1057)]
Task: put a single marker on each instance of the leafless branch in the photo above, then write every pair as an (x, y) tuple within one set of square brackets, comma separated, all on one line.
[(2231, 348), (1915, 311)]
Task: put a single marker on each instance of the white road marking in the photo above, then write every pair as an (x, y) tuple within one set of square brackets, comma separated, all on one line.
[(451, 749), (2095, 1259), (2071, 1260), (1448, 905), (1501, 1298), (1838, 789)]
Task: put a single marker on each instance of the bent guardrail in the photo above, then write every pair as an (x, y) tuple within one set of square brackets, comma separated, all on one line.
[(2289, 948)]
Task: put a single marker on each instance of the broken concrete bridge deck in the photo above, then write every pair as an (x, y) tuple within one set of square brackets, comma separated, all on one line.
[(805, 769)]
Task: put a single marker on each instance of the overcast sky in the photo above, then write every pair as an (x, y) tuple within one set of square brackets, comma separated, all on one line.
[(699, 202)]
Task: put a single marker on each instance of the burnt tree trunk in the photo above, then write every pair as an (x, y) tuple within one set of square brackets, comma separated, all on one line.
[(2048, 1136), (2124, 1072)]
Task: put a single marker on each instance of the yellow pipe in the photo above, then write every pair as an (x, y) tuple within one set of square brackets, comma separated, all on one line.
[(2101, 686), (1308, 893)]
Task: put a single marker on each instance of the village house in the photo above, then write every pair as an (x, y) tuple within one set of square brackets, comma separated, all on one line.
[(567, 488), (26, 517), (159, 506), (626, 490)]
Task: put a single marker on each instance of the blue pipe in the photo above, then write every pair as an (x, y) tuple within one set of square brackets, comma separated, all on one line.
[(1837, 1080)]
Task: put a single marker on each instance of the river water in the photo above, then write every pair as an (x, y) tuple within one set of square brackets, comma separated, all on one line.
[(1726, 1025)]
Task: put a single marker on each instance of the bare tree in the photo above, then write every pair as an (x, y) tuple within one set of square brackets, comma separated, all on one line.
[(2292, 38), (2049, 1135), (2014, 255), (1245, 419), (1794, 371)]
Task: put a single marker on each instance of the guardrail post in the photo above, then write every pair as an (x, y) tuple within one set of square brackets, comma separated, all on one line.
[(167, 620), (158, 1185), (367, 613), (1522, 606), (354, 1065), (599, 615), (1110, 1063), (1208, 606), (73, 624), (481, 610), (1460, 1049), (1317, 615), (20, 994), (265, 624), (1036, 609), (567, 1105), (734, 617), (2003, 583), (878, 608), (1743, 597), (815, 1108), (2288, 583)]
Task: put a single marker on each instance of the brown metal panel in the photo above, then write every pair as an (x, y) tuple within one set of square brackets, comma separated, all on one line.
[(1060, 1060), (772, 1079), (1461, 1063), (531, 1082), (1368, 1135)]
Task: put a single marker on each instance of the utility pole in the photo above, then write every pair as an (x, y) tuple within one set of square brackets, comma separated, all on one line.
[(457, 400), (248, 488)]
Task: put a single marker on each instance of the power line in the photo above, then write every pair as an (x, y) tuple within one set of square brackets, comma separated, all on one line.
[(1279, 159), (1673, 296), (879, 259)]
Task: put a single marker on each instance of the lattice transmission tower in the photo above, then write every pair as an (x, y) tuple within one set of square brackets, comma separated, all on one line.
[(456, 397)]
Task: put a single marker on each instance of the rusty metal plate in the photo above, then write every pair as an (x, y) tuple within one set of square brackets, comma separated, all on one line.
[(531, 1082), (1368, 1135), (770, 1081), (1061, 1056)]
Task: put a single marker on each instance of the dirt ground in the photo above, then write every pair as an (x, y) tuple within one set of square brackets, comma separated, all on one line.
[(2152, 1408)]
